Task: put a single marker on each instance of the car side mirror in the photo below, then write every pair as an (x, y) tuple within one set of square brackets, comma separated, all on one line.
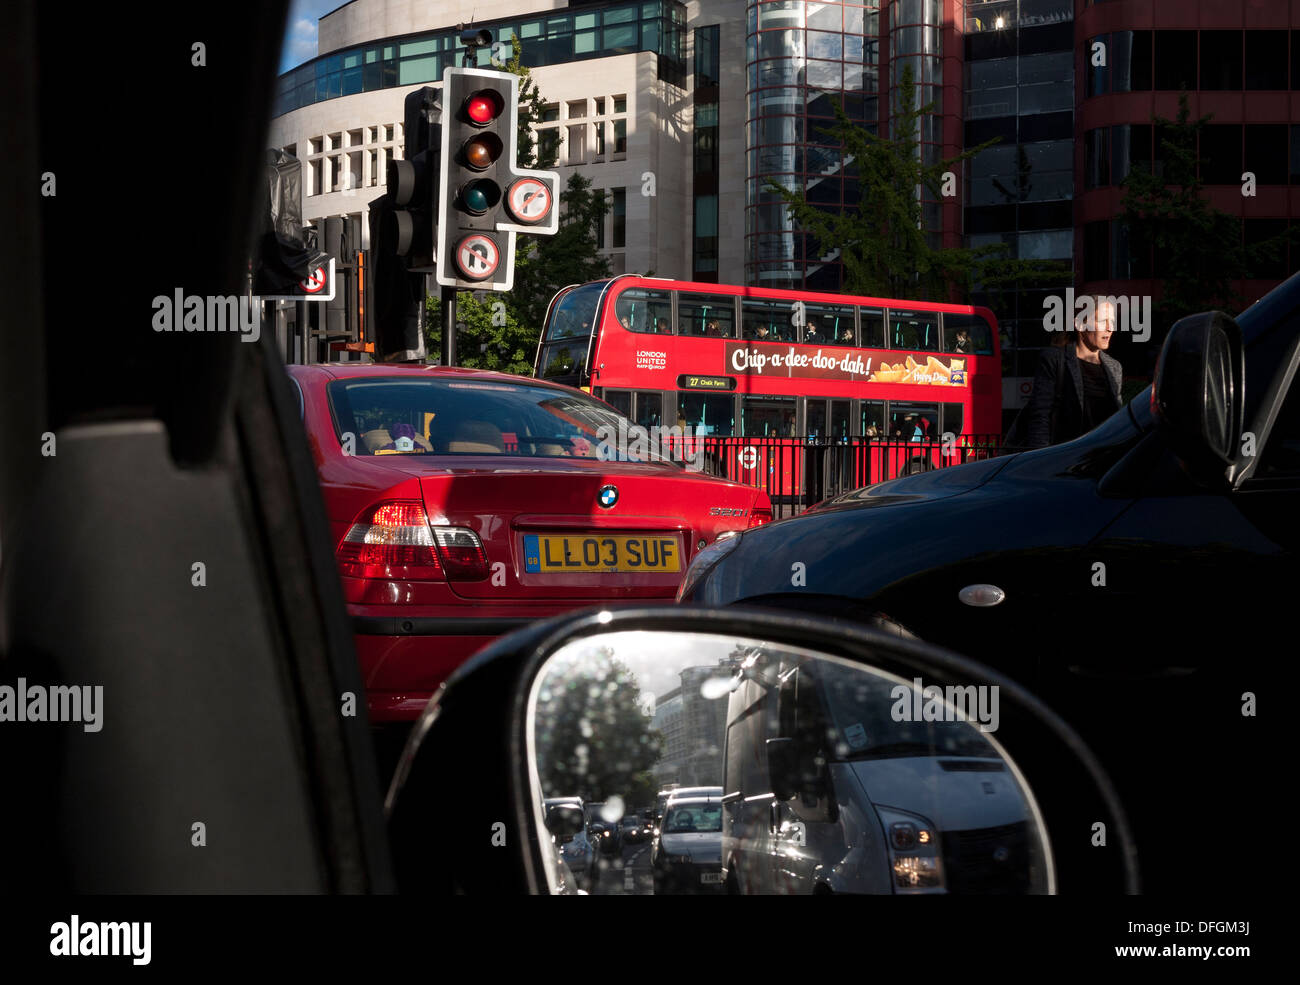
[(568, 707), (1198, 393)]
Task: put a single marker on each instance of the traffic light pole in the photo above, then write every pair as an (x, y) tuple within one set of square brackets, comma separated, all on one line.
[(448, 309)]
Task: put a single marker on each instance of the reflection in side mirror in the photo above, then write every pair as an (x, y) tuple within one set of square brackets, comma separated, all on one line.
[(783, 766), (564, 821), (832, 776)]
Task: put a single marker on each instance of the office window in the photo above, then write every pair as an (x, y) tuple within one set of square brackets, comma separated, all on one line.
[(1098, 75), (1267, 153), (1266, 60), (705, 261), (550, 112), (1175, 60), (600, 105), (1130, 148), (1265, 250), (1221, 60), (598, 130), (620, 104), (577, 109), (1096, 250), (1221, 154), (706, 56), (620, 136), (1130, 54), (577, 144), (619, 238), (600, 226), (1096, 168), (548, 143)]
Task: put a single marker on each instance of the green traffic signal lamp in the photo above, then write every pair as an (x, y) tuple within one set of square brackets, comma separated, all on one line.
[(478, 196)]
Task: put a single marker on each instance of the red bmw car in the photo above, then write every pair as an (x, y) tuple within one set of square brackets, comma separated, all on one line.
[(465, 504)]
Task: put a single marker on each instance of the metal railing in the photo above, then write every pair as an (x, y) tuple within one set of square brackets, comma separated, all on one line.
[(800, 472)]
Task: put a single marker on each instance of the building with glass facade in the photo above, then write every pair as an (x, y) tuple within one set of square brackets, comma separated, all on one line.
[(1240, 63), (683, 112)]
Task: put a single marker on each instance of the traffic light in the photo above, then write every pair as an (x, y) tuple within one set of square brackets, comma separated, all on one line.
[(396, 294), (413, 180), (484, 199), (402, 234), (283, 254)]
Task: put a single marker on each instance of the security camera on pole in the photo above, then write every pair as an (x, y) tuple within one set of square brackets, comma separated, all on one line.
[(484, 198)]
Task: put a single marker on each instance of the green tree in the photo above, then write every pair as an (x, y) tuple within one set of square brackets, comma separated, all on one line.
[(1197, 248), (885, 250), (490, 334), (546, 264), (593, 739)]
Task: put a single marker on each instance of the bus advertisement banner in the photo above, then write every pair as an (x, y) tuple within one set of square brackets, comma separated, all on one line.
[(836, 364)]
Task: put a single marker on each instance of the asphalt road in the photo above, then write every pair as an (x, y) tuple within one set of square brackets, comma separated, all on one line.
[(626, 873)]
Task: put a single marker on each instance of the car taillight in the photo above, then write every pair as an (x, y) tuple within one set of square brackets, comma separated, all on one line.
[(462, 553), (391, 541), (760, 515)]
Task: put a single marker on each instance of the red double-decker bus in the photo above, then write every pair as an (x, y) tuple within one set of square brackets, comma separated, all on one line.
[(800, 393)]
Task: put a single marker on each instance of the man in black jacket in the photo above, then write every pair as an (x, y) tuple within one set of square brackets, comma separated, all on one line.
[(1077, 385)]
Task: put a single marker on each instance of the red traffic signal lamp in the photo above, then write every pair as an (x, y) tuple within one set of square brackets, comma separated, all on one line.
[(483, 106), (485, 199)]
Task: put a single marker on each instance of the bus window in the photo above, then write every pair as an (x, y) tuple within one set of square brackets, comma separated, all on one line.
[(649, 408), (620, 400), (913, 422), (917, 331), (768, 417), (952, 418), (562, 359), (839, 419), (640, 309), (815, 420), (707, 413), (575, 313), (828, 324), (873, 418), (762, 318), (713, 315), (872, 328), (967, 333)]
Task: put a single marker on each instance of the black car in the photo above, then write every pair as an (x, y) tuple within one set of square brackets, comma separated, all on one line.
[(1139, 578), (633, 830)]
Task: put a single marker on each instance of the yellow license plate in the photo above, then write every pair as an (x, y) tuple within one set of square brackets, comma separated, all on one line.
[(578, 553)]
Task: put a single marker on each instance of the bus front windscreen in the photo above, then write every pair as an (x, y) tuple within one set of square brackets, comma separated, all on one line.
[(567, 335), (574, 314)]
